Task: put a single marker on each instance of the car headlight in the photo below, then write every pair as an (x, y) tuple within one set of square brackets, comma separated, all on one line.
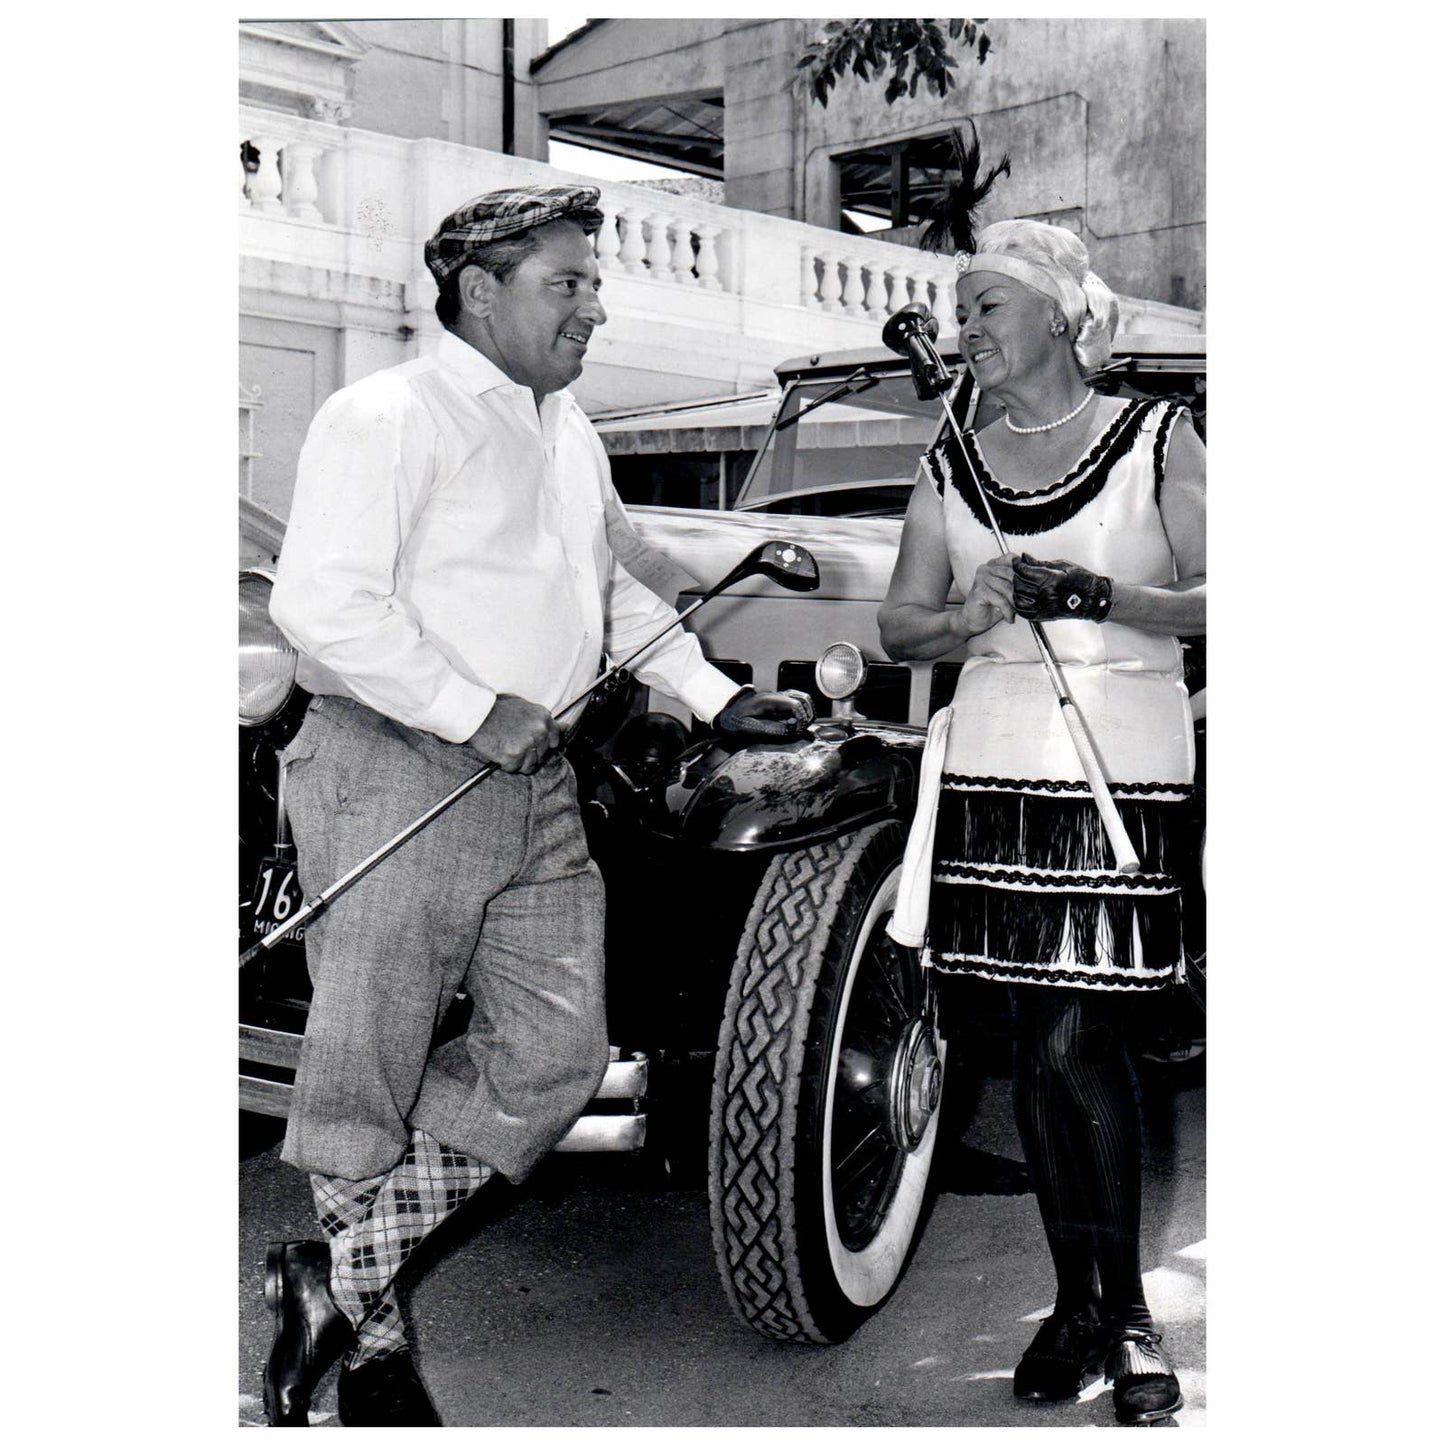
[(267, 659), (840, 671)]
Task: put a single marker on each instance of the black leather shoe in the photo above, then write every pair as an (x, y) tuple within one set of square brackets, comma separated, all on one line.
[(1145, 1387), (385, 1391), (311, 1332), (1067, 1350)]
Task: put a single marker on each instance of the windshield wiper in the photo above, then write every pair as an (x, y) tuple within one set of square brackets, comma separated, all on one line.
[(851, 385)]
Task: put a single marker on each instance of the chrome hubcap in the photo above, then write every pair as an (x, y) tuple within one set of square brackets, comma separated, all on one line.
[(915, 1086)]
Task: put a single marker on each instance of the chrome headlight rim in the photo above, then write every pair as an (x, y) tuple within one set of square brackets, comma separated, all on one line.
[(840, 671), (261, 640)]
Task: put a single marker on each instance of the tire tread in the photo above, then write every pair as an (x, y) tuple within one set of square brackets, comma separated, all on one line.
[(758, 1079)]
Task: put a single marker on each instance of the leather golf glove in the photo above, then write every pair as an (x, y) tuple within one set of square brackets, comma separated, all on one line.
[(1059, 589), (750, 713)]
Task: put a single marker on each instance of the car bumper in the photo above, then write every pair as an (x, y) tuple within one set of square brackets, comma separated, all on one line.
[(615, 1122)]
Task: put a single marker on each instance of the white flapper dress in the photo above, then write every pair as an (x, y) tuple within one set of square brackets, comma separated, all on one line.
[(1024, 887)]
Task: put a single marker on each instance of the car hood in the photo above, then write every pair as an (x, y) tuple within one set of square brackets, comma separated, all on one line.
[(855, 555)]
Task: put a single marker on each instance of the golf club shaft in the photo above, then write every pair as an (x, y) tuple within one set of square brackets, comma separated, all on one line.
[(1126, 860), (356, 874)]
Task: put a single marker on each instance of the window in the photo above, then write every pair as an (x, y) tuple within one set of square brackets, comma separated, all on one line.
[(894, 185)]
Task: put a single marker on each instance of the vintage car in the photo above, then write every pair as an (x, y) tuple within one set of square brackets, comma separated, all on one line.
[(765, 1028)]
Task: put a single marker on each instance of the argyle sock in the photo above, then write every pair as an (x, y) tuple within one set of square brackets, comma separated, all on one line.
[(373, 1225)]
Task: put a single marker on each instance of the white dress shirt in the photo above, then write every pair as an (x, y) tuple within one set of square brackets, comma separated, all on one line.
[(447, 543)]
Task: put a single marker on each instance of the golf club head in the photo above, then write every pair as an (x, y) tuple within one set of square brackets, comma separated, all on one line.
[(910, 332), (908, 321), (789, 564)]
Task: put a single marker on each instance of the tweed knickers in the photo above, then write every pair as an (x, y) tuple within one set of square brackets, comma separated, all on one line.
[(498, 896)]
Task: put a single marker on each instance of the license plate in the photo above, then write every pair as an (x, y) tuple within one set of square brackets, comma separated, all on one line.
[(276, 897)]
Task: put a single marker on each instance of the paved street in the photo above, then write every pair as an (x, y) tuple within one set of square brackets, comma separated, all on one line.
[(589, 1297)]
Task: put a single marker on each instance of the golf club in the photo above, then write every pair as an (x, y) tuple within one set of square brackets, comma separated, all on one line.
[(789, 564), (910, 332)]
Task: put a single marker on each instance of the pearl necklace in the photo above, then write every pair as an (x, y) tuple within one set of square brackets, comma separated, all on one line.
[(1048, 425)]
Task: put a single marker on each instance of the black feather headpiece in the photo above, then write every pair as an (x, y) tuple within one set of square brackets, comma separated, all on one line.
[(951, 226)]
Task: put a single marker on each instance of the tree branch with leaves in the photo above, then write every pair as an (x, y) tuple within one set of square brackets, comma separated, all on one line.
[(917, 52)]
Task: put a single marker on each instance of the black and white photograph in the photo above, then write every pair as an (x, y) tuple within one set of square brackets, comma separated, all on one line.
[(719, 817), (722, 722)]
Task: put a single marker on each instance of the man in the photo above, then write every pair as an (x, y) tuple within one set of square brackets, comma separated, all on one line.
[(448, 578)]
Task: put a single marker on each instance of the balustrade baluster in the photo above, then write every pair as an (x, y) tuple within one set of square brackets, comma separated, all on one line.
[(265, 188), (681, 260), (831, 288), (634, 251), (659, 255), (331, 180), (707, 258), (853, 286), (299, 180), (808, 279), (608, 243), (877, 298), (897, 288)]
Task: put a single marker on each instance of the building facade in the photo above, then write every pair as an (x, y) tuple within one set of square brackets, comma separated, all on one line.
[(357, 137), (1103, 121)]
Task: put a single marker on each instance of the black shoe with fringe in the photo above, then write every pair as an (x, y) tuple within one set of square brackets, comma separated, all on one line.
[(1145, 1386), (1067, 1351)]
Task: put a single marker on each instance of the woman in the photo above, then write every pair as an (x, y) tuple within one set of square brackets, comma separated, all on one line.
[(1024, 885)]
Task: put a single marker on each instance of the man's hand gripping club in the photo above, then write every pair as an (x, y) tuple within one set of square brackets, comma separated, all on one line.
[(517, 735)]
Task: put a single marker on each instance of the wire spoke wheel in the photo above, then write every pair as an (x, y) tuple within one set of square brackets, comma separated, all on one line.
[(826, 1096)]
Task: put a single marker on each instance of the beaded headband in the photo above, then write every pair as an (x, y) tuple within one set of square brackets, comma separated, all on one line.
[(1050, 283)]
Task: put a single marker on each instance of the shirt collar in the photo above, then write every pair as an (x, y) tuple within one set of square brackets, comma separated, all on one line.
[(480, 375)]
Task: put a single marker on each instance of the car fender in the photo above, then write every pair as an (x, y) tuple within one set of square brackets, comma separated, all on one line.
[(790, 794)]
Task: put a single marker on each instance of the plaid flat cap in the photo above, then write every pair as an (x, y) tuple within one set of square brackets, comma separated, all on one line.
[(500, 214)]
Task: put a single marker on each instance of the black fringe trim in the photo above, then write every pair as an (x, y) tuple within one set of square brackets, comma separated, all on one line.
[(1132, 982), (1063, 833), (1011, 924), (1052, 882), (1027, 513), (1013, 928), (967, 782), (1175, 410)]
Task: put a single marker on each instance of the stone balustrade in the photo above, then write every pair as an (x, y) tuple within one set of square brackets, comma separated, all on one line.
[(311, 171), (287, 166), (858, 277), (658, 241), (703, 300)]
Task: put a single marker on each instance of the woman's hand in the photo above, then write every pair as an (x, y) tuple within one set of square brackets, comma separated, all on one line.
[(916, 621), (1060, 589), (990, 599)]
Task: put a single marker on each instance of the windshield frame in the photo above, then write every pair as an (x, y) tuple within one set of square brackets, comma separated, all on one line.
[(802, 388), (801, 394)]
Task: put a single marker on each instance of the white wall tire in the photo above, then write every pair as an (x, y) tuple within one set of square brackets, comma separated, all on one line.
[(825, 1096)]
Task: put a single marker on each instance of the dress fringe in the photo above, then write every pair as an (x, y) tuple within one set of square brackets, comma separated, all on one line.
[(1025, 887)]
